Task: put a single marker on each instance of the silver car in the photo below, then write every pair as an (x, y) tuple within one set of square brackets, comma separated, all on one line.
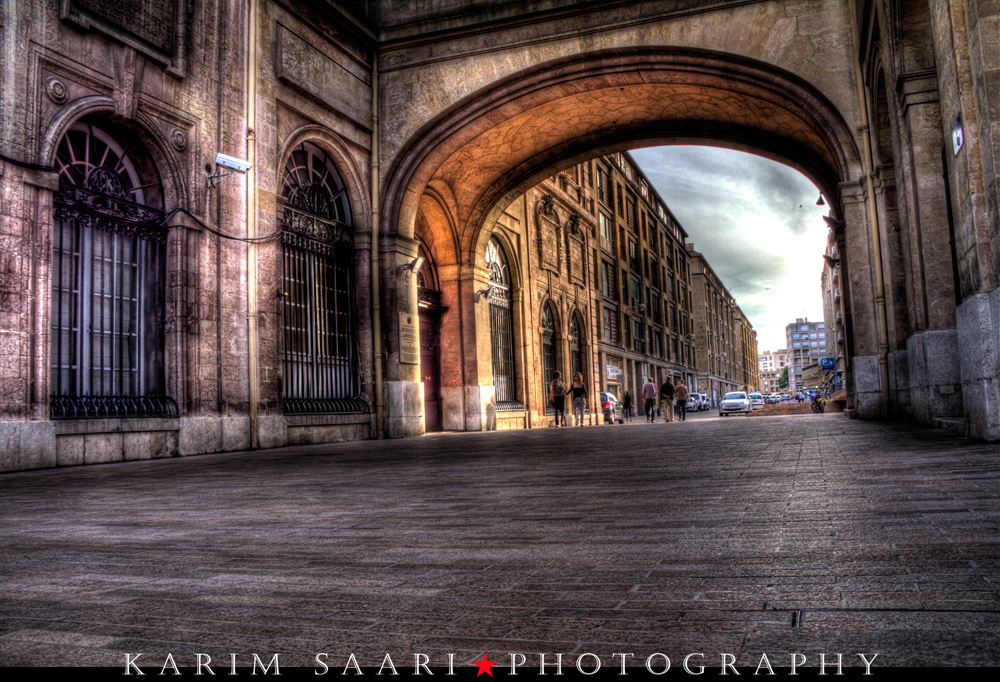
[(612, 408), (736, 402)]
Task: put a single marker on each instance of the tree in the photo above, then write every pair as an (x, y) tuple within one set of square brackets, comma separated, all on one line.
[(783, 379)]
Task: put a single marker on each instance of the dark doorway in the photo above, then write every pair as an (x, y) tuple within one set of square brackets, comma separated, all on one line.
[(430, 367), (429, 307)]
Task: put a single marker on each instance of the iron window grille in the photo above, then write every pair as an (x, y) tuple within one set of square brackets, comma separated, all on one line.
[(108, 261), (502, 330), (319, 355)]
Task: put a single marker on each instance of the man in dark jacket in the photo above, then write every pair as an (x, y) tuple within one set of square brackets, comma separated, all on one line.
[(667, 400)]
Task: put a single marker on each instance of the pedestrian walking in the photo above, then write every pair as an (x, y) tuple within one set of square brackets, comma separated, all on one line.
[(649, 395), (681, 395), (627, 406), (557, 395), (667, 400), (579, 390)]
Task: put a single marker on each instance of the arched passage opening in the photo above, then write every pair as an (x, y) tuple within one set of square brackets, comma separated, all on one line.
[(490, 148)]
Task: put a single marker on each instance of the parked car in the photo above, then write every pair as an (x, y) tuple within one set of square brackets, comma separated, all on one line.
[(756, 400), (706, 402), (735, 402), (612, 407), (693, 403)]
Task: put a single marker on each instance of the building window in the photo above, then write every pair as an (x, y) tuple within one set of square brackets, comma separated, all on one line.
[(108, 278), (607, 234), (548, 344), (319, 353), (603, 187), (575, 346), (502, 329)]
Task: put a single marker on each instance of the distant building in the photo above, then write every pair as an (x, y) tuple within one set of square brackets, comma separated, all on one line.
[(833, 304), (746, 363), (718, 334), (770, 366), (806, 342)]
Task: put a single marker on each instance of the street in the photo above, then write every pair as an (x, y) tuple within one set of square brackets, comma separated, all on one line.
[(771, 535)]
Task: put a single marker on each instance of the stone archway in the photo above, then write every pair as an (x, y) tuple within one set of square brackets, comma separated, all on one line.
[(495, 144), (457, 177)]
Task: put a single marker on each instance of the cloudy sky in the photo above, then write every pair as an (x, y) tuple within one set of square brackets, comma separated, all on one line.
[(758, 225)]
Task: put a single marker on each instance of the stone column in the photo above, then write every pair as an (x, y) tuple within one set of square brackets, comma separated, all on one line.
[(363, 316), (452, 348), (861, 322), (28, 440), (933, 369), (478, 361), (403, 398)]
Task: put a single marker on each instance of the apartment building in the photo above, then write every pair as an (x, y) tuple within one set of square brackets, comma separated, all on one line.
[(770, 365), (718, 345), (806, 343), (643, 275)]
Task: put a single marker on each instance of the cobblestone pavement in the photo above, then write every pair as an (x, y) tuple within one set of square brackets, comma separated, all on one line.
[(773, 535)]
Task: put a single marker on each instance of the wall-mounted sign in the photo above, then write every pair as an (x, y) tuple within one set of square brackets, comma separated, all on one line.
[(957, 135), (409, 340), (614, 373), (828, 364)]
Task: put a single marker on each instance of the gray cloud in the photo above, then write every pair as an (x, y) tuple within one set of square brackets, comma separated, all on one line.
[(757, 224)]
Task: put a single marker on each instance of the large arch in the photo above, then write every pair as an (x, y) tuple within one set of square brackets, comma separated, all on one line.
[(493, 145), (460, 176)]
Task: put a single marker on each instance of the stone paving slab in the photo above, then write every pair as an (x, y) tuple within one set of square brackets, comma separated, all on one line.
[(777, 535)]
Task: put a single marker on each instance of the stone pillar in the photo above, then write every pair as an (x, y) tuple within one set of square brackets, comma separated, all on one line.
[(864, 382), (467, 392), (402, 395), (363, 316), (28, 440), (979, 347), (932, 364), (452, 348), (480, 394)]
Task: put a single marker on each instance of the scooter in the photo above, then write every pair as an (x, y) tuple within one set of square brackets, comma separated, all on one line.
[(817, 403)]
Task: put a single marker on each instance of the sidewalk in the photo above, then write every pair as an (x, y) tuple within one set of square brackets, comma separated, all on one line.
[(770, 535)]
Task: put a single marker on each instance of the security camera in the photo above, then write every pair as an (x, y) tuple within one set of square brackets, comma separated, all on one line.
[(231, 162)]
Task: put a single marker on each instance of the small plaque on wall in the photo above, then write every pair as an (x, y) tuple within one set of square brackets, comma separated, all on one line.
[(409, 339)]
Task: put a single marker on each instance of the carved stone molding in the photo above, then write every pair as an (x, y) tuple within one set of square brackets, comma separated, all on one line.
[(550, 234), (178, 139), (56, 90)]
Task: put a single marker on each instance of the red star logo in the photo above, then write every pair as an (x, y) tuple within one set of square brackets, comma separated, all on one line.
[(484, 666)]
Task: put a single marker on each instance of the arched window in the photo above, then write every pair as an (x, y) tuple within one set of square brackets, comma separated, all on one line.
[(548, 351), (319, 357), (108, 254), (548, 343), (575, 346), (502, 329)]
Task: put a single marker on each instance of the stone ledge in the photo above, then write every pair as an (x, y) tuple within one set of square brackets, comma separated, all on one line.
[(328, 419), (67, 427), (956, 424)]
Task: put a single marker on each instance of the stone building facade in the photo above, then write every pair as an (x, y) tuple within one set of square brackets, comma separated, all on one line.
[(833, 308), (643, 291), (719, 344), (771, 365), (747, 364), (149, 309)]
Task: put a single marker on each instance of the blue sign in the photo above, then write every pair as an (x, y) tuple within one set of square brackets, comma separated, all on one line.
[(828, 364)]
